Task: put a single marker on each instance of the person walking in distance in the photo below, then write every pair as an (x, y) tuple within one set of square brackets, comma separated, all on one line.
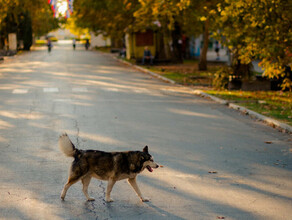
[(87, 44), (74, 43), (49, 44), (217, 48)]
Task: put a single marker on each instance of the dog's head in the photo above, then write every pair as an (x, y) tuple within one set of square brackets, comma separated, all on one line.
[(147, 160)]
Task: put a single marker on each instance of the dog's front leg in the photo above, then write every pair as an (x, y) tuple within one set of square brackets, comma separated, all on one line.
[(110, 186), (133, 183), (85, 182)]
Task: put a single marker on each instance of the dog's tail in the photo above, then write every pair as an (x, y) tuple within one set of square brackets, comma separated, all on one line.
[(66, 146)]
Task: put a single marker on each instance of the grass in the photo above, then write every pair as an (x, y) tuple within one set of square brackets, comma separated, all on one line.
[(187, 73), (103, 49)]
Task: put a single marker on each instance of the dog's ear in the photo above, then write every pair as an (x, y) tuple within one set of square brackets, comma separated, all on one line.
[(145, 149)]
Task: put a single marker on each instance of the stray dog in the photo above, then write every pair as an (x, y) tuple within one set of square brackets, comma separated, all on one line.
[(109, 166)]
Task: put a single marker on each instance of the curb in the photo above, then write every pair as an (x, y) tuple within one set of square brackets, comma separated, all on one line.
[(269, 121), (205, 95)]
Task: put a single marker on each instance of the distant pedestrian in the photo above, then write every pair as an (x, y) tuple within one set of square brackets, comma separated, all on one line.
[(217, 50), (74, 44), (147, 56), (87, 44), (49, 44), (123, 52)]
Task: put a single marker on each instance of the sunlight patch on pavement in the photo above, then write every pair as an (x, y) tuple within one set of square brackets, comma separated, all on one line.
[(142, 91), (20, 91), (62, 100), (177, 90), (112, 89), (79, 89), (18, 115), (3, 140), (5, 125), (52, 90), (190, 113), (100, 138)]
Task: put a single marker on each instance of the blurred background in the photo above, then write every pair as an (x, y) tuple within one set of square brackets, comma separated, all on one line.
[(238, 41)]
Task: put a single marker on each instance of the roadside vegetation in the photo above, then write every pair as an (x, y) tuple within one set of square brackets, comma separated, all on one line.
[(187, 73), (26, 18), (274, 104), (250, 30)]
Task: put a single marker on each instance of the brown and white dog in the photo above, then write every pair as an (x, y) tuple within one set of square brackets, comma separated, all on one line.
[(109, 166)]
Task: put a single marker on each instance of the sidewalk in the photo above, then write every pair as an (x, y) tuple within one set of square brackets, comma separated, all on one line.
[(212, 56), (267, 120)]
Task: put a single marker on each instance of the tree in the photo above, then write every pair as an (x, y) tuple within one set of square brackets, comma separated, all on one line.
[(115, 17), (25, 30), (71, 25), (163, 16), (43, 20), (259, 29), (109, 17), (179, 17), (206, 20), (25, 17)]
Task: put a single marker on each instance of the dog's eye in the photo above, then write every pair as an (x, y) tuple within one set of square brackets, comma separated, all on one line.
[(151, 160)]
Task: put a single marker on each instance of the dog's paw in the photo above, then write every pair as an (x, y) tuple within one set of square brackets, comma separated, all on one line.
[(145, 200), (108, 200), (90, 199)]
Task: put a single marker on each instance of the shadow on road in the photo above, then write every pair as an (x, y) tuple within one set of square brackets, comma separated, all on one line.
[(215, 162)]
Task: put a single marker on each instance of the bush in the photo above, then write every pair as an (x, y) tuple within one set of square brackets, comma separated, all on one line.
[(41, 42), (221, 78), (53, 39)]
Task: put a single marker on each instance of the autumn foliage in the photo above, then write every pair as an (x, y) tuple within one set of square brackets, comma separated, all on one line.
[(259, 29), (26, 18)]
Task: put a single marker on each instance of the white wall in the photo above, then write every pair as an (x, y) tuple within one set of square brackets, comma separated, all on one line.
[(12, 41), (99, 41)]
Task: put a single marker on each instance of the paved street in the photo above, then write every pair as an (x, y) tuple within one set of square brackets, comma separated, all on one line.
[(217, 163)]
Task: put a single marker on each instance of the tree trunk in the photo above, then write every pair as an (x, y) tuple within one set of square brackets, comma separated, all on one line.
[(160, 47), (240, 69), (176, 36), (167, 49), (27, 32), (203, 57)]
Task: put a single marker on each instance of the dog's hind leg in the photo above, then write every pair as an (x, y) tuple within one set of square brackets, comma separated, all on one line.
[(67, 186), (73, 178), (110, 186), (85, 181), (133, 183)]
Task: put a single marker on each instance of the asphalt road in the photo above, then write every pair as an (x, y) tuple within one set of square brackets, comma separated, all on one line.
[(217, 163)]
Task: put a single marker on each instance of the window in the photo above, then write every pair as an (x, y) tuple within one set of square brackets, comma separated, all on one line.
[(144, 38)]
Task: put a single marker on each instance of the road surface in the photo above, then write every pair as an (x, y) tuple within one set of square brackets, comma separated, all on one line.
[(217, 163)]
